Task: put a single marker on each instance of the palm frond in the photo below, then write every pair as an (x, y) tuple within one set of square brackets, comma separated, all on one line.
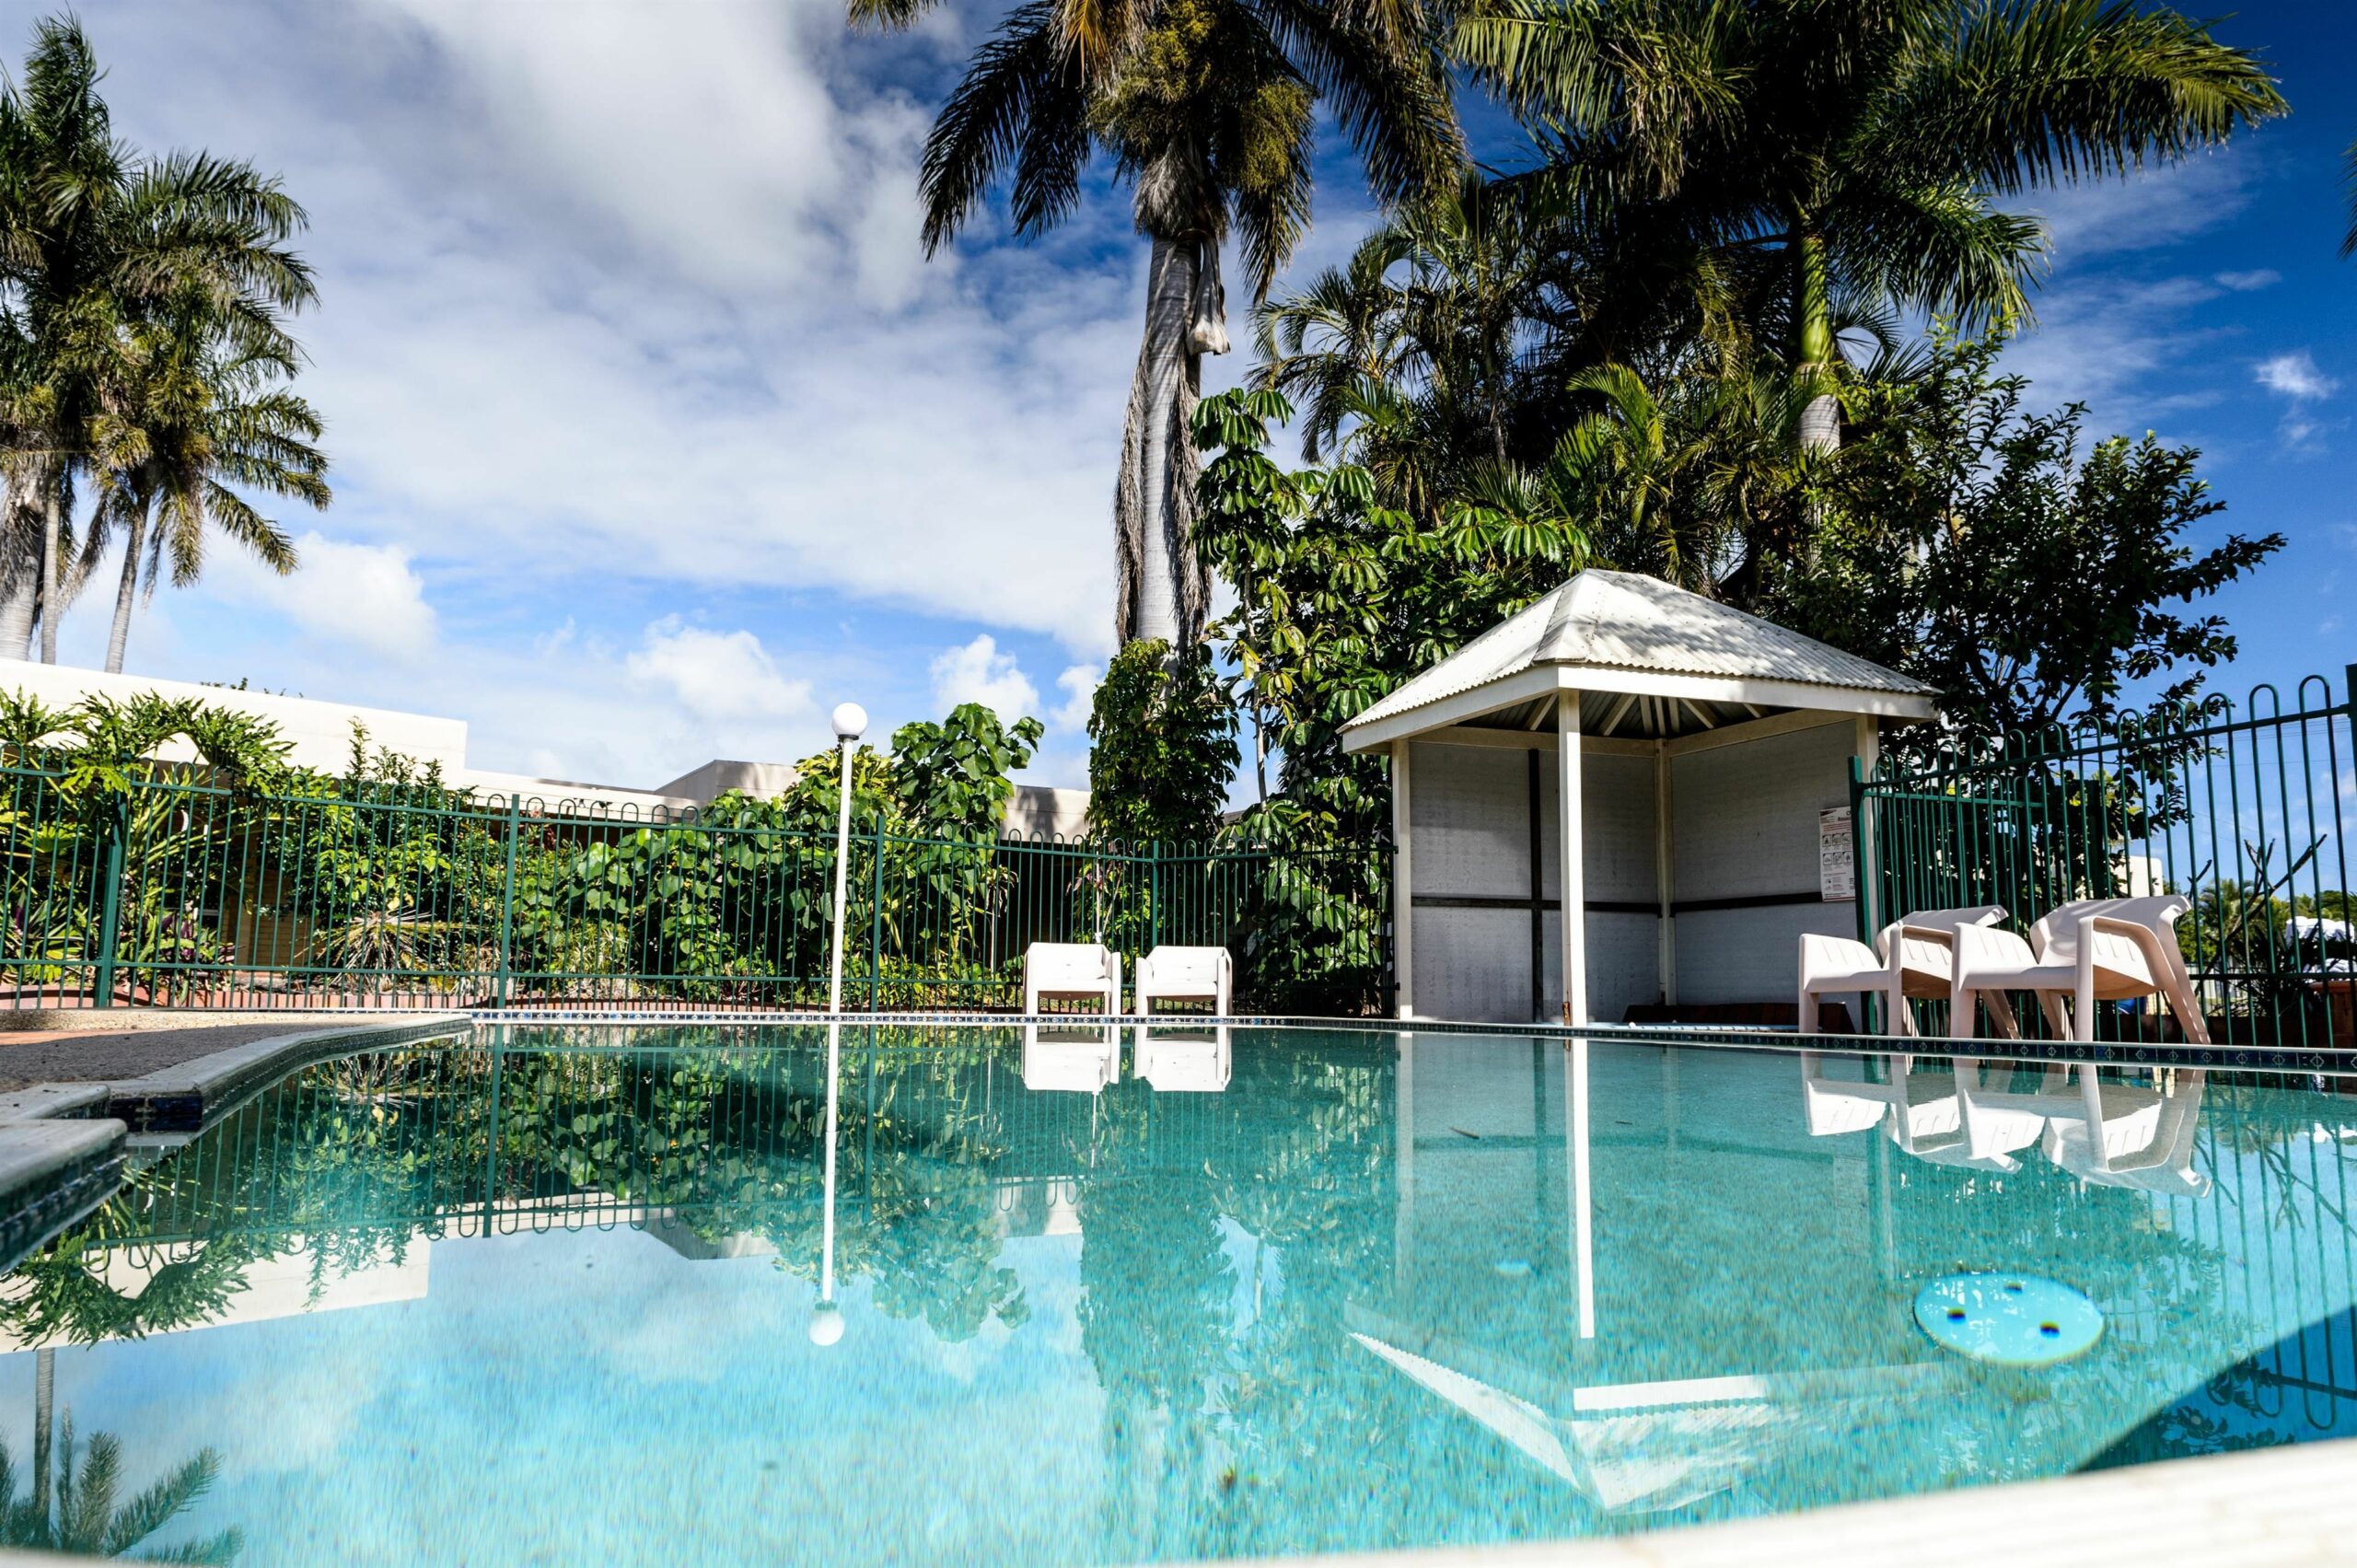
[(2040, 92), (1016, 101)]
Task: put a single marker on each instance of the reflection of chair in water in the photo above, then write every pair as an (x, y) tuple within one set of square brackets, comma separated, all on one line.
[(1080, 1058), (1928, 1117), (2135, 1138), (1998, 1114), (1184, 1060)]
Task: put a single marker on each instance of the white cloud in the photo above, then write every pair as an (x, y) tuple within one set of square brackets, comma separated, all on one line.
[(640, 296), (2295, 375), (2154, 207), (363, 596), (1079, 686), (979, 672), (715, 675), (2245, 282)]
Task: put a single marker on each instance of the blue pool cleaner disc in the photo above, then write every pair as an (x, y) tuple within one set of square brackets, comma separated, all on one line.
[(2008, 1320)]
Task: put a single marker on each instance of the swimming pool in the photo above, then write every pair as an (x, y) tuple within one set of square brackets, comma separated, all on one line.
[(540, 1294)]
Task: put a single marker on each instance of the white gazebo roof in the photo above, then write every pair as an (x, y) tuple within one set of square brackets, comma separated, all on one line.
[(1681, 662)]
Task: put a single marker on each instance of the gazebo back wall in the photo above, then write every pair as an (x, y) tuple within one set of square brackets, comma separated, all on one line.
[(1743, 819)]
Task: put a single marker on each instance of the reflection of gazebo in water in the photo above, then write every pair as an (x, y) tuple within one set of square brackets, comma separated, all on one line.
[(1708, 743), (1706, 1340)]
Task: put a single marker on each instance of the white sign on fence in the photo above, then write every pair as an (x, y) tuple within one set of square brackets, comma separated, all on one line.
[(1836, 867)]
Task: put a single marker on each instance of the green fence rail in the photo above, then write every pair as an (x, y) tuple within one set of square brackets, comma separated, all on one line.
[(191, 892), (2245, 809)]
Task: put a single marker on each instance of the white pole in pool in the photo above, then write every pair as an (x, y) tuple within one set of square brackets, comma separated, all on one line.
[(826, 1321)]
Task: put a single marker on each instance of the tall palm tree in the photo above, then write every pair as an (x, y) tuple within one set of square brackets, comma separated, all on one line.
[(76, 1509), (196, 415), (1206, 108), (94, 239), (1860, 145), (2349, 178)]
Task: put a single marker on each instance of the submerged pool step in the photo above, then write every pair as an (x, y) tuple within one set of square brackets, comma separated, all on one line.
[(52, 1172)]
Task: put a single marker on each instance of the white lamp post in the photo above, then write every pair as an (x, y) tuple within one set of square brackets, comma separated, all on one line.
[(826, 1320)]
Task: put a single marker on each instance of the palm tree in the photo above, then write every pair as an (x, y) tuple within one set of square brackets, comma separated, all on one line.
[(1206, 108), (94, 239), (1434, 302), (1860, 146), (2349, 178), (76, 1510), (195, 414)]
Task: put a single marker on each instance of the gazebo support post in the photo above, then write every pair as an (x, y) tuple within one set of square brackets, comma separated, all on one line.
[(1403, 908), (1568, 841), (1665, 873)]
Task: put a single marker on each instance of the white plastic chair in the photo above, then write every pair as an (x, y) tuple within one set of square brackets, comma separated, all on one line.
[(1179, 1061), (1186, 974), (1912, 957), (1072, 972), (2090, 950), (1074, 1059)]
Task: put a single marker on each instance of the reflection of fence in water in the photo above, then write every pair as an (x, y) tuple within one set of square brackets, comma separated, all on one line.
[(464, 1139), (2269, 1245), (2242, 810)]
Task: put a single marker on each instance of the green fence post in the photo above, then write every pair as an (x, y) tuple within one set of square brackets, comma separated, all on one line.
[(110, 905), (1858, 847), (1153, 894), (875, 927), (508, 898)]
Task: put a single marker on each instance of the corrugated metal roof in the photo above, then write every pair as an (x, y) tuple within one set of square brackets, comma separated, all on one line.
[(1619, 620)]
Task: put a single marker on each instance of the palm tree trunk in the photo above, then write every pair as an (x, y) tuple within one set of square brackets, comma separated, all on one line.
[(1162, 591), (19, 567), (135, 527), (52, 528), (44, 1406), (1813, 319)]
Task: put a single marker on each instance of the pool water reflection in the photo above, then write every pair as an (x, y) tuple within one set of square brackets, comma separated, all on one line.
[(543, 1294)]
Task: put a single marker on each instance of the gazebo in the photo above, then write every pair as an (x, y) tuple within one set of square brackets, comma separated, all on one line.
[(1674, 771)]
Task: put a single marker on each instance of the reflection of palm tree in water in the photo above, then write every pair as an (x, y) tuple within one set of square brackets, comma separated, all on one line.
[(1154, 1325), (72, 1508)]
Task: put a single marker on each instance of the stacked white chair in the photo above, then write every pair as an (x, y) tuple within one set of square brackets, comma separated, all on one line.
[(2081, 953), (1186, 974), (1911, 958), (1072, 972)]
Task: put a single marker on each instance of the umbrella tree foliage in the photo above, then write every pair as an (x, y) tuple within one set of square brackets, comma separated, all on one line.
[(1995, 554)]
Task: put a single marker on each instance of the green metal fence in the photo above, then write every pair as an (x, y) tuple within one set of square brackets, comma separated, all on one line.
[(2244, 809), (193, 892)]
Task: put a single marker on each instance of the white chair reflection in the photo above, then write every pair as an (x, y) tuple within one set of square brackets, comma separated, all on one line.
[(1998, 1113), (1928, 1115), (1184, 1060), (2148, 1147), (1071, 1058)]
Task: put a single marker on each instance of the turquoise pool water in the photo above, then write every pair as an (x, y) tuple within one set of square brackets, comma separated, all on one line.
[(540, 1295)]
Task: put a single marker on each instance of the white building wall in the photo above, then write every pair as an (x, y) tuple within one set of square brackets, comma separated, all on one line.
[(320, 732), (1469, 813), (1745, 827)]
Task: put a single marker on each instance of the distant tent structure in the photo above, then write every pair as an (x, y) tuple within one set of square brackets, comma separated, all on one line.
[(1652, 762)]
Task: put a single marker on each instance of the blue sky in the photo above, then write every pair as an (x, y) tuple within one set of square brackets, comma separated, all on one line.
[(655, 435)]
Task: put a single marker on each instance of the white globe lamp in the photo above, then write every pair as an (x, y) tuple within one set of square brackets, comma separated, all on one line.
[(826, 1325)]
